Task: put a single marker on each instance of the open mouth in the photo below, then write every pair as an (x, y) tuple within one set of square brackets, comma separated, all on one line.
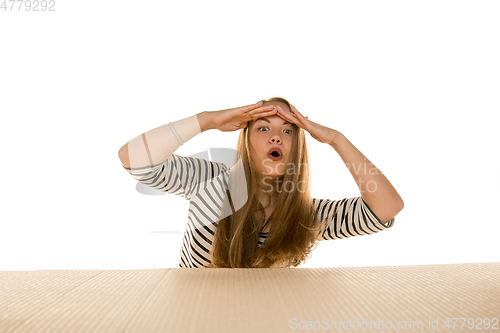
[(275, 154)]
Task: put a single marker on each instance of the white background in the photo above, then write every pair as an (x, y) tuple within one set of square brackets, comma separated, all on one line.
[(413, 85)]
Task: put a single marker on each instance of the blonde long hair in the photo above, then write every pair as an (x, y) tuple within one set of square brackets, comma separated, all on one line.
[(294, 231)]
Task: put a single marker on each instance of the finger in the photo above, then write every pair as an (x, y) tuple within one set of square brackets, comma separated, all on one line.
[(288, 117), (285, 114), (264, 108), (263, 113), (297, 112), (251, 107), (282, 116), (261, 110), (258, 104)]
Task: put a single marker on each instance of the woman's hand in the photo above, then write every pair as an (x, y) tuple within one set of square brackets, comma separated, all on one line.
[(319, 132), (237, 118)]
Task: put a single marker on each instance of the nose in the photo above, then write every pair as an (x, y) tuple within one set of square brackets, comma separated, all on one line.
[(275, 139)]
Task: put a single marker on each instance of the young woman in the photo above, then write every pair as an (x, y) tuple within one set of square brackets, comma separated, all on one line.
[(259, 213)]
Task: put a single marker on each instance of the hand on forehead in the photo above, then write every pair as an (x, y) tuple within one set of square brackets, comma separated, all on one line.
[(281, 112), (276, 115), (283, 106)]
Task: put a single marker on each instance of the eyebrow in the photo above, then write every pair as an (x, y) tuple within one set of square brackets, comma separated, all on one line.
[(267, 120)]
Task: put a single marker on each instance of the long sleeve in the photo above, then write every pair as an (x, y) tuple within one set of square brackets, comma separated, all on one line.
[(178, 175), (150, 158), (155, 146), (347, 218)]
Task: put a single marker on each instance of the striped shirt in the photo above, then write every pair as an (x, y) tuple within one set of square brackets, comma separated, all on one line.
[(202, 182)]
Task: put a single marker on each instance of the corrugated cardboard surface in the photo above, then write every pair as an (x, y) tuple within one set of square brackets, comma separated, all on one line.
[(347, 299)]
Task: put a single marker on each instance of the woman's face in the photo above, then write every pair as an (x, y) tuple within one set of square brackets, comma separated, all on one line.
[(269, 132)]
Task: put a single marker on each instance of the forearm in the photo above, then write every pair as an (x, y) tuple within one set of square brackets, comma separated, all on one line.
[(376, 190), (158, 144)]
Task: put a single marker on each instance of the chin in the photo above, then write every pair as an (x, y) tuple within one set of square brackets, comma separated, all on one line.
[(274, 175)]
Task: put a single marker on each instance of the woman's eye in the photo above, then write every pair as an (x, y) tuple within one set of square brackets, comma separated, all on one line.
[(266, 131)]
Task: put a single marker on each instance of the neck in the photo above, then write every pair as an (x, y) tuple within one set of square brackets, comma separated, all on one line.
[(269, 183), (264, 199)]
